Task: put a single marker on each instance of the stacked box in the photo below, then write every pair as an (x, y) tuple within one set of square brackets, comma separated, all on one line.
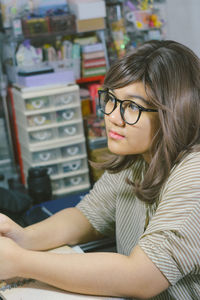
[(94, 61)]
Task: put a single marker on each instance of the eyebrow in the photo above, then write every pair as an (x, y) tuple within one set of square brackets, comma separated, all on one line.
[(133, 96)]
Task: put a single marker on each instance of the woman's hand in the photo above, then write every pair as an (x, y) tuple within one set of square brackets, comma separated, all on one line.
[(10, 257), (12, 230)]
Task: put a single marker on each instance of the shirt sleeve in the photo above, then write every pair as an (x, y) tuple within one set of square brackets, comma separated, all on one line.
[(171, 239), (99, 205)]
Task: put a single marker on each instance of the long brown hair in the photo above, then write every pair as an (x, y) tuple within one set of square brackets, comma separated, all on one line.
[(170, 73)]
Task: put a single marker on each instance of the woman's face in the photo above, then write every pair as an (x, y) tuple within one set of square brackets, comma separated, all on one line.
[(124, 139)]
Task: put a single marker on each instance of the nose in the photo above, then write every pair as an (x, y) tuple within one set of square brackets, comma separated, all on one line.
[(116, 118)]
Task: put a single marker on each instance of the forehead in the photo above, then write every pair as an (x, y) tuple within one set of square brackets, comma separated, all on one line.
[(130, 91)]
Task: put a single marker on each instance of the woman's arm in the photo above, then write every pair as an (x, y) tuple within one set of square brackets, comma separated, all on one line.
[(106, 274), (68, 226)]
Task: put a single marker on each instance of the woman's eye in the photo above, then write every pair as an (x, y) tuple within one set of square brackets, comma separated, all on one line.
[(111, 99), (132, 106), (106, 99)]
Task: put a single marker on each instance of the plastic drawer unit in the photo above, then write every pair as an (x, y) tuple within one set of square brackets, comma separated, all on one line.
[(50, 133)]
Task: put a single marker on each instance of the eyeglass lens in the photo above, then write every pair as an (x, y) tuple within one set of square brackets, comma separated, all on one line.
[(130, 111)]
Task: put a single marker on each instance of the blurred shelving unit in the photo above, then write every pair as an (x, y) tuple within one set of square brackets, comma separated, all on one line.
[(7, 161)]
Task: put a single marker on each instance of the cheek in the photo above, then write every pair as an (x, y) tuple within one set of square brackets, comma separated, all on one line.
[(106, 121), (140, 137)]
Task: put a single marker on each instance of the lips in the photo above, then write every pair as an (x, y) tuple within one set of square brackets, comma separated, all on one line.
[(115, 135)]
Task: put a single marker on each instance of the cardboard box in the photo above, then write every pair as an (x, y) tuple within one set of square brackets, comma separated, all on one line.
[(88, 9), (90, 24)]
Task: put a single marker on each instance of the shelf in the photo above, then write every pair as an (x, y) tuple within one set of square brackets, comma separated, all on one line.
[(49, 34), (90, 79)]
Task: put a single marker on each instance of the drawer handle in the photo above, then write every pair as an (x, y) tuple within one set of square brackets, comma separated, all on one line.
[(37, 103), (72, 166), (66, 100), (70, 130), (72, 150), (45, 156), (42, 136), (68, 115), (40, 120), (75, 165), (75, 180)]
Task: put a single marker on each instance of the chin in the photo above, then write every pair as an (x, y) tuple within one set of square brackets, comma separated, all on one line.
[(116, 149)]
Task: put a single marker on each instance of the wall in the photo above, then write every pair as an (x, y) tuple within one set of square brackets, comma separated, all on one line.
[(183, 22)]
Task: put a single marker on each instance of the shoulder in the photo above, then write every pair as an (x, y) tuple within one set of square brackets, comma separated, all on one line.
[(186, 172), (180, 196), (191, 160)]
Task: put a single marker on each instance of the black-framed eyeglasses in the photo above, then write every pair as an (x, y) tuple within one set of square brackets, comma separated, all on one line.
[(129, 110)]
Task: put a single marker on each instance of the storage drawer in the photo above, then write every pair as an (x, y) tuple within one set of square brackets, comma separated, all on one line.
[(66, 115), (73, 150), (46, 99), (41, 136), (78, 180), (69, 131), (62, 168), (44, 156), (51, 101), (40, 156), (40, 119), (60, 152), (37, 103), (73, 165), (54, 134), (74, 182), (64, 99), (50, 118)]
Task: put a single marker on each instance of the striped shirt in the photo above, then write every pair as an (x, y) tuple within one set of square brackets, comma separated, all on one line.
[(171, 239)]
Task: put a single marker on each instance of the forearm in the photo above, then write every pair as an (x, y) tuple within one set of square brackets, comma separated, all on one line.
[(106, 274), (68, 226)]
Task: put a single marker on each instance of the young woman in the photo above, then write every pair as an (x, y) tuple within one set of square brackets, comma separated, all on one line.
[(148, 197)]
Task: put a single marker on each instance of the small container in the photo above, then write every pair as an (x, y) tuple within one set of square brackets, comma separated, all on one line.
[(67, 131), (70, 151), (37, 103), (71, 166), (75, 180), (43, 156), (65, 115), (41, 136), (39, 120), (64, 99)]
